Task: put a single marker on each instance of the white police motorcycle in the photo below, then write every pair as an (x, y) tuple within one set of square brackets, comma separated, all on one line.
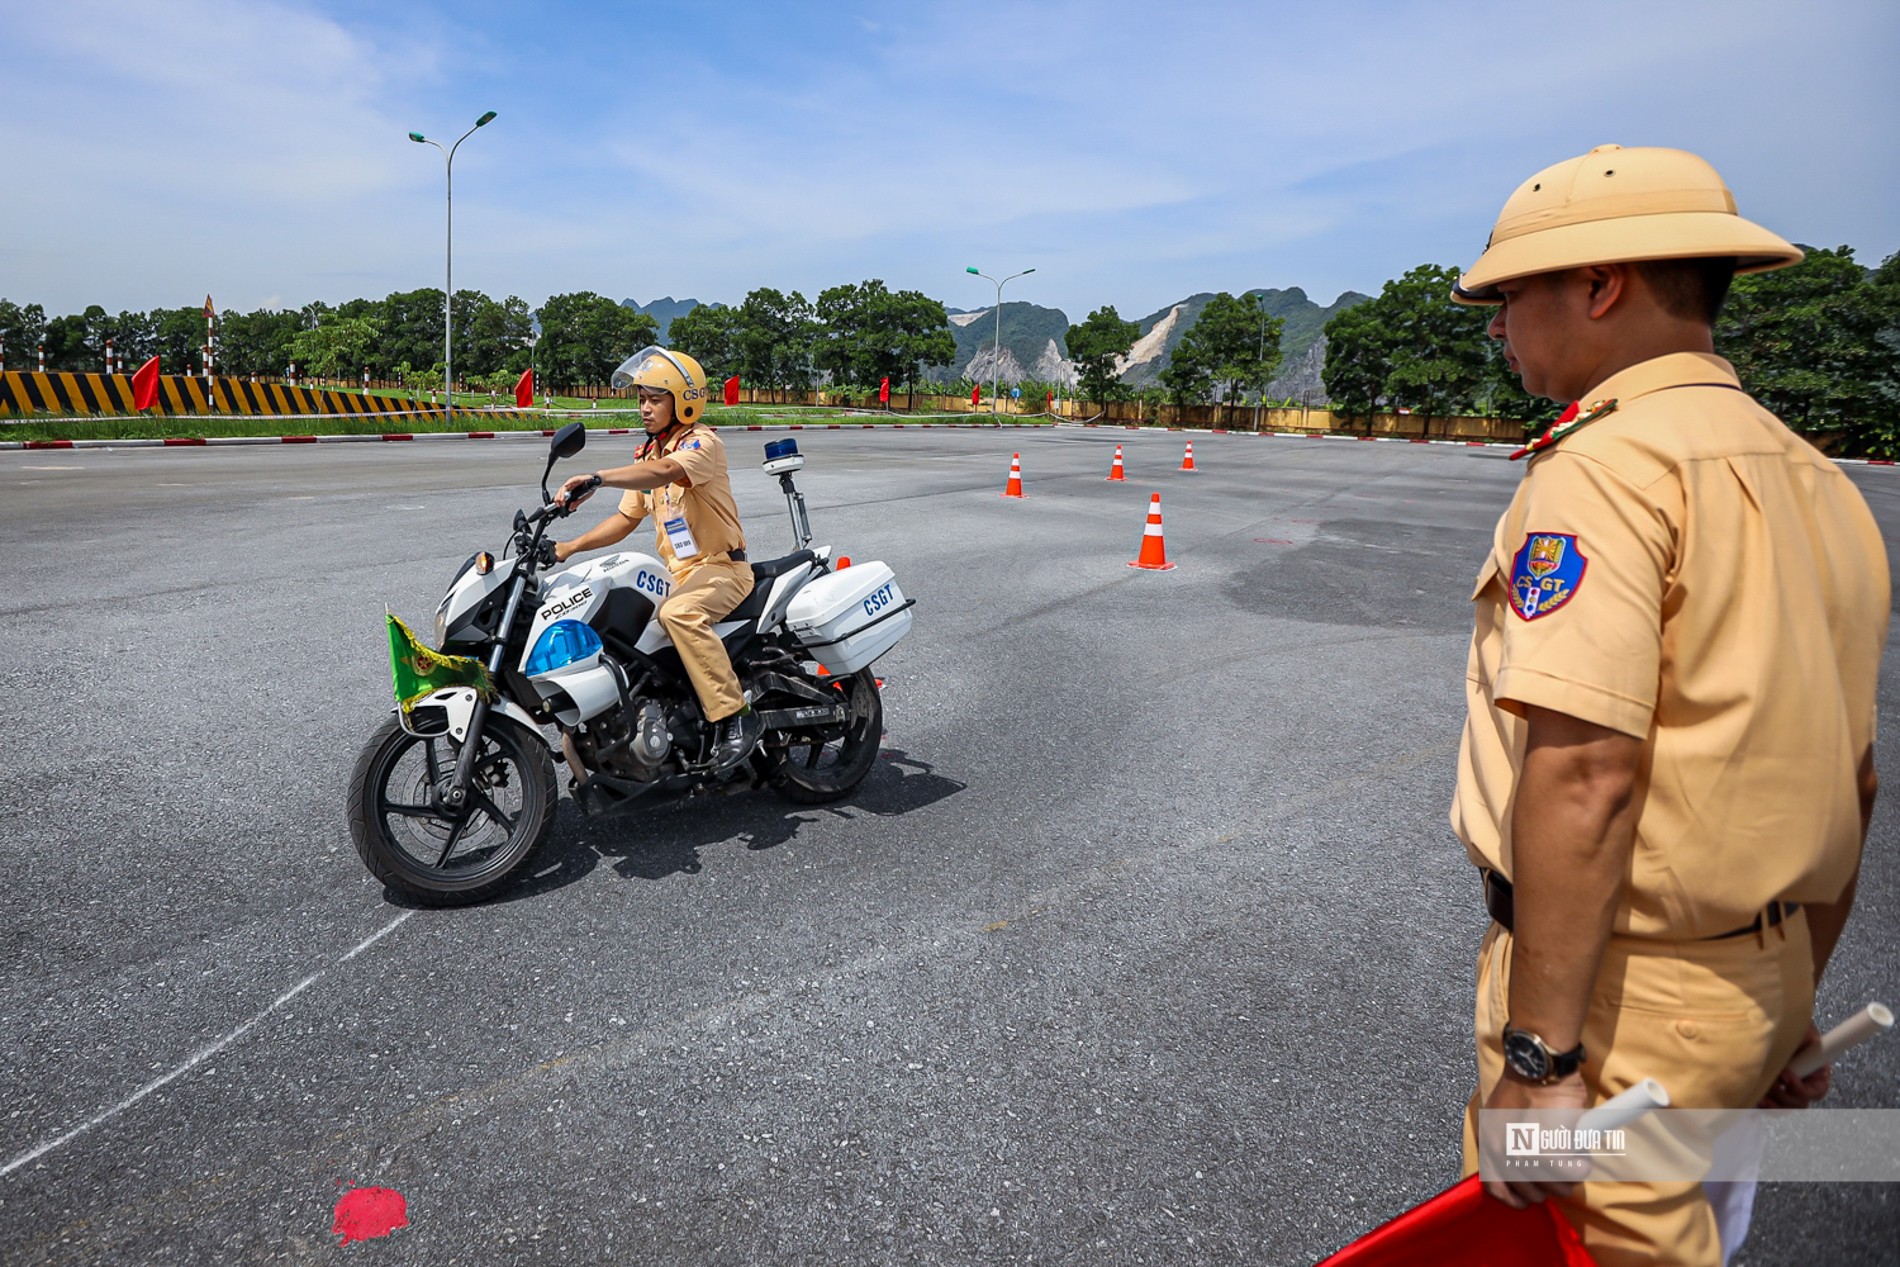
[(451, 800)]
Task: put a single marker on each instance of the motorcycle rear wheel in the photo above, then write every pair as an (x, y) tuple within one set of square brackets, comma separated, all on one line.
[(435, 856), (819, 769)]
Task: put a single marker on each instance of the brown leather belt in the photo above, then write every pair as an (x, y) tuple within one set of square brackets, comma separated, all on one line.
[(1502, 906)]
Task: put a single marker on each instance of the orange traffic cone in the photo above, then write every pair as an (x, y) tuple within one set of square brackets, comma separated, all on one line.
[(1015, 486), (1154, 551), (1115, 471), (1187, 462)]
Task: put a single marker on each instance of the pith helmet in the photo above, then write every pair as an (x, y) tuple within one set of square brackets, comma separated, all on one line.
[(658, 369), (1615, 206)]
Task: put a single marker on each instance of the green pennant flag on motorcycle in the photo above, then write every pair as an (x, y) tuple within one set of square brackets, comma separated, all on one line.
[(418, 671)]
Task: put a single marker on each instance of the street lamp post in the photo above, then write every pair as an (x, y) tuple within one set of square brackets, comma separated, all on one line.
[(996, 357), (448, 268)]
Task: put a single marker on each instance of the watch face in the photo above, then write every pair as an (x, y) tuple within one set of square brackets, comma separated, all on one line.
[(1526, 1057)]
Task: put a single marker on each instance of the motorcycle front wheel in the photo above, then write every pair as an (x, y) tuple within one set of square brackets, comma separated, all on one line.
[(817, 767), (436, 855)]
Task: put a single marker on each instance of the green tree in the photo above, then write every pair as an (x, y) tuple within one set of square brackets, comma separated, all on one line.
[(1411, 347), (411, 328), (1095, 346), (1441, 364), (865, 333), (256, 342), (1358, 358), (494, 340), (708, 334), (1232, 348), (585, 337), (1806, 342), (337, 348), (69, 341), (22, 326), (774, 339)]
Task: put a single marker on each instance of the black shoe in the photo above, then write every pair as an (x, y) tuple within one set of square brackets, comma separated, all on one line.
[(734, 740)]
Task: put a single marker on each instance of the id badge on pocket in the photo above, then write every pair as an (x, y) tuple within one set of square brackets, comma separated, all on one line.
[(680, 537)]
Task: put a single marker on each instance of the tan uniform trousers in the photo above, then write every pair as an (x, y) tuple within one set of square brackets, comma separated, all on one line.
[(705, 593), (1713, 1021)]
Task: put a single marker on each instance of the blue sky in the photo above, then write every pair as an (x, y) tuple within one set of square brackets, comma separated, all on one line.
[(1133, 153)]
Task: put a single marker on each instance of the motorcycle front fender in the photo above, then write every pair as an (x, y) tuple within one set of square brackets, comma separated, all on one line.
[(452, 708)]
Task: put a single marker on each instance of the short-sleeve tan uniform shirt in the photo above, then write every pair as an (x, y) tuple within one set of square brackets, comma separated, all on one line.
[(704, 496), (1686, 570)]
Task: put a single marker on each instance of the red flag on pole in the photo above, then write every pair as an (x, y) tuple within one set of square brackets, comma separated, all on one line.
[(732, 390), (976, 394), (211, 314), (884, 391), (145, 385), (1464, 1225), (524, 390)]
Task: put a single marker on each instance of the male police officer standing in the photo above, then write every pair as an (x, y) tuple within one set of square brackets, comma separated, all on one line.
[(680, 479), (1667, 766)]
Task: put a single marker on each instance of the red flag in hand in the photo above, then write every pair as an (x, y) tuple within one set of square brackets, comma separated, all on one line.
[(145, 386), (1465, 1225), (884, 391), (732, 390), (524, 390)]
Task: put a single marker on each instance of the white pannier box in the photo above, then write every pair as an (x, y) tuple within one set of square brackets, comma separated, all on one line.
[(851, 617)]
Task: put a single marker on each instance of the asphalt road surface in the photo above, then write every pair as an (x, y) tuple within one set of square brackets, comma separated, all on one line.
[(1146, 941)]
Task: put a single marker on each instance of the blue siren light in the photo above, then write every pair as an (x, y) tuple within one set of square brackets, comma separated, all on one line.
[(776, 449), (561, 644)]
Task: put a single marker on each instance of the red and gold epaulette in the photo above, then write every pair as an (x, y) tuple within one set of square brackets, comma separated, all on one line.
[(1568, 421)]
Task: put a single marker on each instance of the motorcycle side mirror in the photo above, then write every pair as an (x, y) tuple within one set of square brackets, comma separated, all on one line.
[(568, 441)]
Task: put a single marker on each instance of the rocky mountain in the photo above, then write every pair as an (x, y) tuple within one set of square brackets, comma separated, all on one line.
[(662, 310), (1304, 323), (1033, 345), (1035, 340)]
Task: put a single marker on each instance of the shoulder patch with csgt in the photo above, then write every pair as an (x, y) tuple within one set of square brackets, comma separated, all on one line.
[(1546, 574)]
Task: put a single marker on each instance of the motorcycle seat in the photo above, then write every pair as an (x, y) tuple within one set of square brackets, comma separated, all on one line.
[(771, 568)]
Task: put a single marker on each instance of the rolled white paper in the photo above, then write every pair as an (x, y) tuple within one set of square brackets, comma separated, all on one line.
[(1624, 1108), (1869, 1022)]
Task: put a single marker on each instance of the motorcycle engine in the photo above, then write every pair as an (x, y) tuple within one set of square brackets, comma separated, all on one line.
[(627, 744)]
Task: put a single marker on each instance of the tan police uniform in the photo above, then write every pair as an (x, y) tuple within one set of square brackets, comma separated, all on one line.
[(1681, 568), (1685, 570), (707, 584)]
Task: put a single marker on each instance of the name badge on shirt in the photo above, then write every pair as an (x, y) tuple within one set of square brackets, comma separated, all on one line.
[(680, 537)]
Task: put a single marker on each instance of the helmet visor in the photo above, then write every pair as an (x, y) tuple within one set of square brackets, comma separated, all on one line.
[(648, 362)]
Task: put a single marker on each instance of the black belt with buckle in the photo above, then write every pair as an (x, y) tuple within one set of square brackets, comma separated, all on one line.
[(1502, 906), (737, 556)]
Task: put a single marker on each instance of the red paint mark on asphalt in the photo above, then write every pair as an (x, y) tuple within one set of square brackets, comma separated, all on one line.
[(365, 1213)]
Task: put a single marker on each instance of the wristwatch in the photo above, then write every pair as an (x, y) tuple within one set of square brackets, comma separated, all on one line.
[(1530, 1059)]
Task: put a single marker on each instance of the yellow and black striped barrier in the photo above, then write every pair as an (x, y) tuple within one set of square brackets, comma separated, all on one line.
[(28, 393)]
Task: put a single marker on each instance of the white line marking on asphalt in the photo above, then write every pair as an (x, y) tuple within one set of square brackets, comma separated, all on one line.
[(203, 1053), (52, 468), (377, 936)]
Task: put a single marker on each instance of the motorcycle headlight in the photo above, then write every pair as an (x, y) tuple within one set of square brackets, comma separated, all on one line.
[(561, 644)]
